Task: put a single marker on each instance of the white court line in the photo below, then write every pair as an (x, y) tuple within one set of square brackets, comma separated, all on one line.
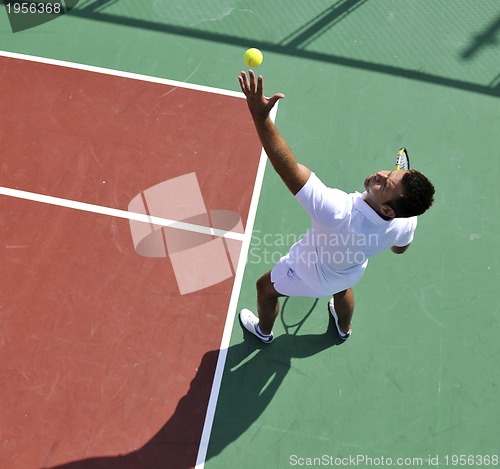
[(107, 210), (119, 73), (113, 212), (246, 238), (231, 315)]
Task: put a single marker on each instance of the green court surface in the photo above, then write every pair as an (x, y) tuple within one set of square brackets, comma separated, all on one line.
[(417, 384)]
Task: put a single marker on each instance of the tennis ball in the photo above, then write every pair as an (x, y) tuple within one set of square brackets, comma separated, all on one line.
[(253, 57)]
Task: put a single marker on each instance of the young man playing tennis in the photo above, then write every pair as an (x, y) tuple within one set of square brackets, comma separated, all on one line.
[(346, 229)]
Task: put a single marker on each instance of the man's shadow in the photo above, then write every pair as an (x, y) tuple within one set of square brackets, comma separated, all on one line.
[(253, 374)]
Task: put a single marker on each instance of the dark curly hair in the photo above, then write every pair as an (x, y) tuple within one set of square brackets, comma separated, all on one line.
[(417, 196)]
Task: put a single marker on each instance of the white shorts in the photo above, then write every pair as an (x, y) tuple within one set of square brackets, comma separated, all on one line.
[(287, 282)]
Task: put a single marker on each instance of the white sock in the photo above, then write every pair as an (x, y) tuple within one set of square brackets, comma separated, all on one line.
[(261, 333)]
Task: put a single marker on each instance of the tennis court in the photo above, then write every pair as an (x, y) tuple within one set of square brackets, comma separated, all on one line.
[(137, 212)]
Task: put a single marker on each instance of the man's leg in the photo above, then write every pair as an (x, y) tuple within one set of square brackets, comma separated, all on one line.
[(267, 303), (344, 307)]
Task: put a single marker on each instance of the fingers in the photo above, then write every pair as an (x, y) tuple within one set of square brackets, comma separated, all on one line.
[(274, 99), (253, 89), (252, 80), (243, 82), (260, 85), (248, 84)]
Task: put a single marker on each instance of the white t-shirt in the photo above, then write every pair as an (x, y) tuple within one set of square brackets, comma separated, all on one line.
[(345, 232)]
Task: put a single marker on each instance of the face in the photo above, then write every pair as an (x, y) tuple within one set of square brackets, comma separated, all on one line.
[(382, 187)]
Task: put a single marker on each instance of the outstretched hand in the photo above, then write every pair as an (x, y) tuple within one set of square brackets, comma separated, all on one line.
[(253, 89)]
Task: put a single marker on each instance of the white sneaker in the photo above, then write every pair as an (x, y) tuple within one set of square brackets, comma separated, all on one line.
[(343, 335), (251, 322)]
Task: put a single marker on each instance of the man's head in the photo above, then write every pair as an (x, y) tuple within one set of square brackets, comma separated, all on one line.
[(399, 193)]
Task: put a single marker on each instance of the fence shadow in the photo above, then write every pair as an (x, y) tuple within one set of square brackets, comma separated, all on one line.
[(295, 44)]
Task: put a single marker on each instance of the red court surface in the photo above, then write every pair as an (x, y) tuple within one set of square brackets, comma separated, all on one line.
[(97, 345)]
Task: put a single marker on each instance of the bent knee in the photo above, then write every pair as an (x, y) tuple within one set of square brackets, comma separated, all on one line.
[(263, 283), (265, 287), (340, 294)]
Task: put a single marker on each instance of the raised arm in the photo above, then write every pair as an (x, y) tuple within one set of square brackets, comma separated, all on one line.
[(293, 174)]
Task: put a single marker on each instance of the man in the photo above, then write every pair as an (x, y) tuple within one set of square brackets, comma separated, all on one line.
[(346, 229)]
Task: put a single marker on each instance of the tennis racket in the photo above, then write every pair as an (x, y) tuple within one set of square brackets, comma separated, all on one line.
[(402, 159)]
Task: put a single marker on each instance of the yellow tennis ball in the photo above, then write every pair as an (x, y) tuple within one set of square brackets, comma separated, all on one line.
[(253, 57)]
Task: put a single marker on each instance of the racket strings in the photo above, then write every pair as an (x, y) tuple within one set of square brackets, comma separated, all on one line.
[(402, 160)]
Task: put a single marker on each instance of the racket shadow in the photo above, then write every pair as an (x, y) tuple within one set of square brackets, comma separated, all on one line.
[(254, 373), (252, 376), (295, 312)]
